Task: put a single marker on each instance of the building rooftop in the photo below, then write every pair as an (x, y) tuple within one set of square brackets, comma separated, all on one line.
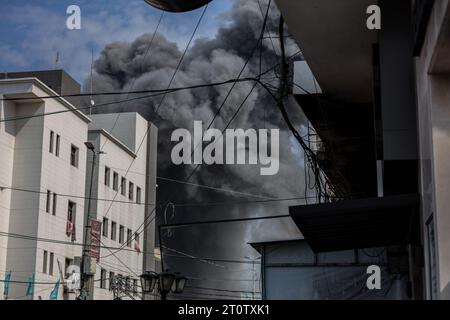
[(34, 90)]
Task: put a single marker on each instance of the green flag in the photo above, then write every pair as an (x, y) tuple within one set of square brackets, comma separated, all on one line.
[(54, 294), (30, 289), (6, 286)]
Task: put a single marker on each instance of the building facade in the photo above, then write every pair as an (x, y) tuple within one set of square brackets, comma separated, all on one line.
[(126, 172), (45, 179)]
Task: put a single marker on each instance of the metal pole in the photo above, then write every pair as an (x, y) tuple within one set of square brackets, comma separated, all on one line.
[(85, 291)]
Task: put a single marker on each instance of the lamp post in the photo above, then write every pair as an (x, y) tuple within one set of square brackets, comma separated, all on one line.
[(167, 282)]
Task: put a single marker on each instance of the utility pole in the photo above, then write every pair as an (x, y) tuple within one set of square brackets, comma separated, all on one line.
[(87, 284)]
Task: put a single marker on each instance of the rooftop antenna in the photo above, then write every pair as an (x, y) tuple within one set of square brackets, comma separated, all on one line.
[(91, 100), (56, 60)]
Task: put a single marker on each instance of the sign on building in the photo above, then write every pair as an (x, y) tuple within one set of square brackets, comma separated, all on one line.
[(95, 228)]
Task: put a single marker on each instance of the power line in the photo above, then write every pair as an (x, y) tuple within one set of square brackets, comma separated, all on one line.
[(219, 280), (266, 199), (205, 294), (162, 100), (157, 109), (137, 232), (240, 202), (47, 240), (75, 196), (220, 290), (154, 93), (211, 188), (187, 224), (211, 259)]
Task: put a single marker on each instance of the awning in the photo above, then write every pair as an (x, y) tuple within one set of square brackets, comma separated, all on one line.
[(360, 223)]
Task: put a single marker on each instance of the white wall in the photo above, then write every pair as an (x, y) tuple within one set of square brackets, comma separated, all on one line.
[(32, 167), (7, 140)]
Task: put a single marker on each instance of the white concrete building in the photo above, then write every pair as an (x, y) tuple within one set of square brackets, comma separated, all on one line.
[(45, 182), (46, 157), (126, 172)]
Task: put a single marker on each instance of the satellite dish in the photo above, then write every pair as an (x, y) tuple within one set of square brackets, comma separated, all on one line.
[(177, 5)]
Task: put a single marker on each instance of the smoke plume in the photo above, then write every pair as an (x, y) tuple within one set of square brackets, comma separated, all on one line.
[(122, 67)]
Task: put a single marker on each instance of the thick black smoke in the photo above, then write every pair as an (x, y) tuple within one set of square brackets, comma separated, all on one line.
[(122, 67)]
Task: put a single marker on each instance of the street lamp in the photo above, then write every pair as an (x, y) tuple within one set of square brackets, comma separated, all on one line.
[(148, 281), (167, 282), (179, 284)]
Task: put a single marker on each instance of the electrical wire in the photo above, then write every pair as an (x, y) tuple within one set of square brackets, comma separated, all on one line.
[(157, 109), (263, 28), (163, 98)]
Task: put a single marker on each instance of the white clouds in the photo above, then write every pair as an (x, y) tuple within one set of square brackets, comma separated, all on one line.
[(43, 33)]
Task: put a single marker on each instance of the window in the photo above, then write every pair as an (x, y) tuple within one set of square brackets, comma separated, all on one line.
[(50, 267), (136, 237), (58, 142), (103, 279), (111, 280), (131, 191), (105, 227), (44, 262), (121, 234), (47, 205), (129, 237), (138, 195), (113, 230), (107, 176), (55, 200), (123, 186), (74, 151), (52, 137), (115, 181), (71, 217), (71, 211)]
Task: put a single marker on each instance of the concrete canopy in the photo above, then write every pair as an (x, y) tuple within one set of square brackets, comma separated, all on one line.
[(336, 44)]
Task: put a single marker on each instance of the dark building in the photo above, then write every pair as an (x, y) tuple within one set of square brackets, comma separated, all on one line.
[(381, 117)]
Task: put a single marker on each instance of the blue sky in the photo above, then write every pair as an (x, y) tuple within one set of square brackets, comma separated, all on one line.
[(32, 31)]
